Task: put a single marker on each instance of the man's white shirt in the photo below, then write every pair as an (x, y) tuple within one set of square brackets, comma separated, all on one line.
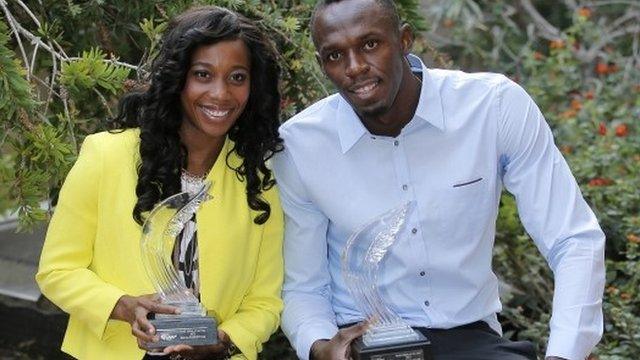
[(472, 135)]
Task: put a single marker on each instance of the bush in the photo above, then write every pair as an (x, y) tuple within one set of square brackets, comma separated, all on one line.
[(581, 66)]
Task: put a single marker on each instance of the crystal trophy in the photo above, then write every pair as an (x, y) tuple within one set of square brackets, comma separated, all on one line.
[(388, 336), (159, 232)]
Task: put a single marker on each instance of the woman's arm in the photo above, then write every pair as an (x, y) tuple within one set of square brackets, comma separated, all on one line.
[(63, 274), (259, 314)]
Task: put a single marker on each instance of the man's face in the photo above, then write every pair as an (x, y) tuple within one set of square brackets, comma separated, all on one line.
[(361, 50)]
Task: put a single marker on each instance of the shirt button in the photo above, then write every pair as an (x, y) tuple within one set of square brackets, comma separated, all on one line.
[(422, 273), (414, 230), (405, 187), (426, 303), (396, 143)]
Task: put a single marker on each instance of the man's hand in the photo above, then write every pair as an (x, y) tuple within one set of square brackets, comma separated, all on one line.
[(134, 310), (217, 351), (338, 348)]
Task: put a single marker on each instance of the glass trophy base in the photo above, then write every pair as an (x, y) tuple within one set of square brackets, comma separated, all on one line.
[(419, 349), (188, 330)]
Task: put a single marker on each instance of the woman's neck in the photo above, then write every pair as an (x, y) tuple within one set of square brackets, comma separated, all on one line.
[(202, 152)]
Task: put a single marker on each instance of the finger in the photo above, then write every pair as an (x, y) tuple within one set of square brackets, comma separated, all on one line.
[(146, 346), (160, 308), (350, 333), (178, 349), (223, 336), (141, 334), (143, 323)]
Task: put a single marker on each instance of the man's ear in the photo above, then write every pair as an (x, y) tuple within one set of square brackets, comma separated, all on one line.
[(406, 38)]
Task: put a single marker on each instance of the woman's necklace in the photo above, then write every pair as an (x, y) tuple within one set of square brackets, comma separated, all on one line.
[(192, 183)]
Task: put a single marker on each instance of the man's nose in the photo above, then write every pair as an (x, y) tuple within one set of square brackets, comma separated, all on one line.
[(356, 65)]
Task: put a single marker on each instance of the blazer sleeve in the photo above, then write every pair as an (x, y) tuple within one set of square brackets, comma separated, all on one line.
[(64, 275), (259, 313)]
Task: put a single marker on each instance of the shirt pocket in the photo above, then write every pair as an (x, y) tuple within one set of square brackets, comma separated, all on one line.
[(463, 209)]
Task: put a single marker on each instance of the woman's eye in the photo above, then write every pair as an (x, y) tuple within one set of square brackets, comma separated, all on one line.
[(371, 44), (201, 74), (239, 77), (334, 56)]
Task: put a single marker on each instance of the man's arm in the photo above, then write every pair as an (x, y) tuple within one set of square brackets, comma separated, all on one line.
[(308, 315), (554, 213)]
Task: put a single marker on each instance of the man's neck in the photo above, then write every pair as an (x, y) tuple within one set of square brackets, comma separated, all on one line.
[(401, 111)]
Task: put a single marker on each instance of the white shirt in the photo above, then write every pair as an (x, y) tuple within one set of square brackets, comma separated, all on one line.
[(471, 135)]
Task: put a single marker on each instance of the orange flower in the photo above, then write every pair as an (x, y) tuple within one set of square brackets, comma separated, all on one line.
[(567, 114), (585, 12), (633, 238), (599, 181), (589, 95), (625, 296), (606, 68), (622, 130), (557, 44), (576, 104), (602, 129), (448, 23), (538, 55), (602, 68), (566, 149)]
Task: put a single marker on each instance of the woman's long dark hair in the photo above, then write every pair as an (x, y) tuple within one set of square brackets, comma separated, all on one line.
[(158, 114)]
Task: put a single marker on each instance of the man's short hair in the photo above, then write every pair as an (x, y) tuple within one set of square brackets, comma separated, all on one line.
[(388, 5)]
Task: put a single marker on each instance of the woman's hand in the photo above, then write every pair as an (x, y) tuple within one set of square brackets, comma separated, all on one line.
[(134, 310), (217, 351)]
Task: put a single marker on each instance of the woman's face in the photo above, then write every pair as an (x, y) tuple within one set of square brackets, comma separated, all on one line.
[(216, 90)]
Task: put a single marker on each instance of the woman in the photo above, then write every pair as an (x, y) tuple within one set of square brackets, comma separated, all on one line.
[(210, 112)]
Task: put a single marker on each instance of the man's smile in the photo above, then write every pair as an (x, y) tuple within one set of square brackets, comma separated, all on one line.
[(365, 88)]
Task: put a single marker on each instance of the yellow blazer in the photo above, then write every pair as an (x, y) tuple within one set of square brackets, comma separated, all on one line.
[(91, 255)]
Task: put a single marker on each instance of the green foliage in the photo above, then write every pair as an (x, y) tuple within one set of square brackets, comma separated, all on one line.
[(92, 70), (16, 91), (582, 70)]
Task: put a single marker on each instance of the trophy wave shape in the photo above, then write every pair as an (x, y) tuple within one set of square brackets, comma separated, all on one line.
[(159, 232), (360, 262)]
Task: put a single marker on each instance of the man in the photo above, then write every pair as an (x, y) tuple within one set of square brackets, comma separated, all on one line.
[(448, 141)]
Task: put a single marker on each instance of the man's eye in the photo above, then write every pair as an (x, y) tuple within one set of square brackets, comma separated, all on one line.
[(371, 44), (334, 56)]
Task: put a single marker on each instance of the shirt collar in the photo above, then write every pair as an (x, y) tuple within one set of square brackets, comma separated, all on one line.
[(350, 128), (429, 109)]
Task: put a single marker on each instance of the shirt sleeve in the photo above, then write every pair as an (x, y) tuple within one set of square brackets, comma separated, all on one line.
[(308, 315), (556, 216), (259, 313), (63, 274)]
